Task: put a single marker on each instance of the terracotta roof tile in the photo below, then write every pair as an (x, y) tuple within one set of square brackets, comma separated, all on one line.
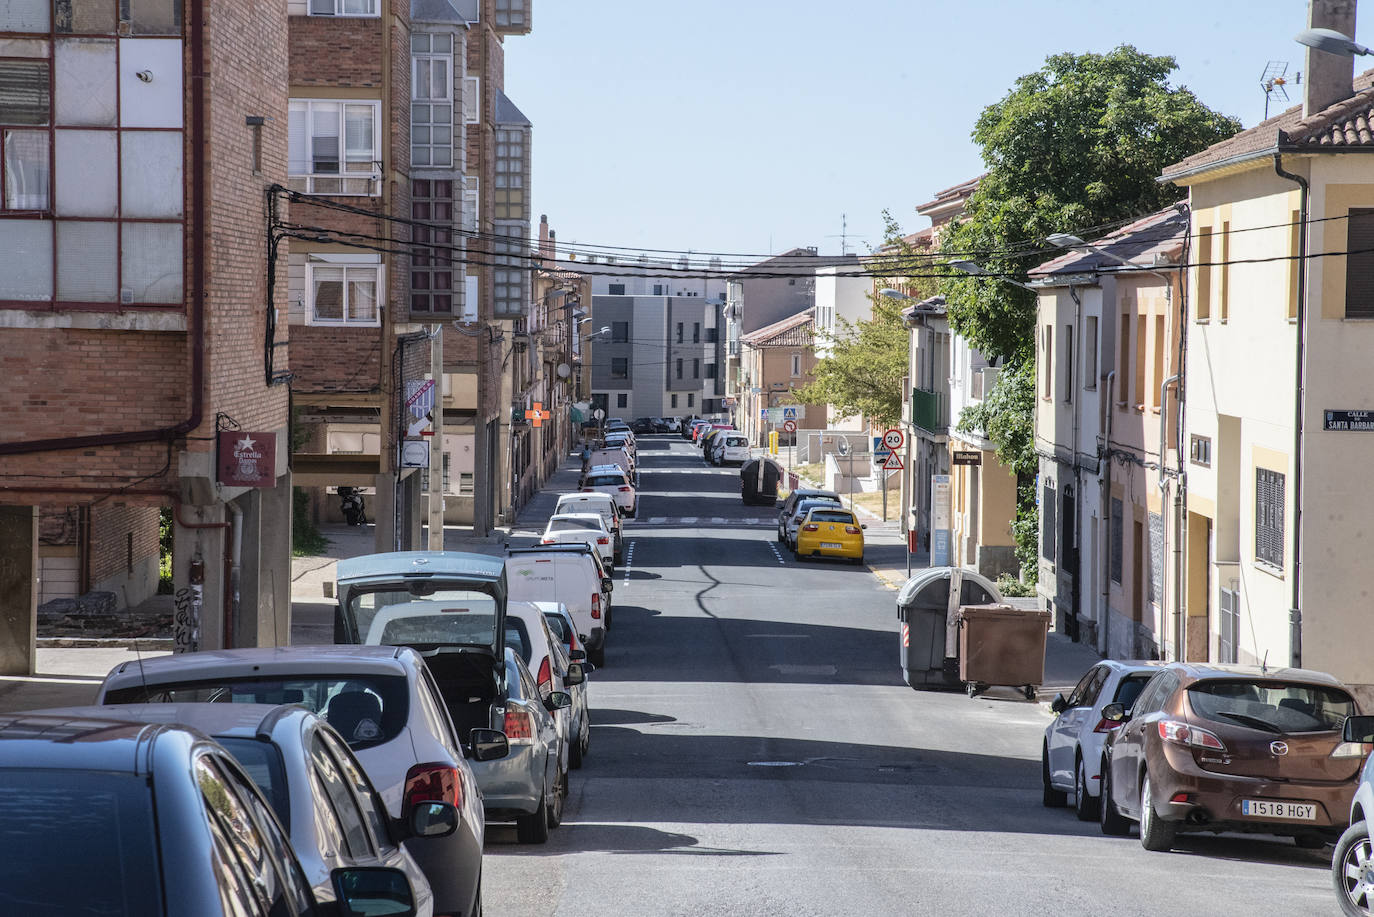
[(1160, 233), (794, 331)]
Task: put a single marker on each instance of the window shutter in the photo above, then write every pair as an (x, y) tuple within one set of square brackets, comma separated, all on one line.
[(1359, 264)]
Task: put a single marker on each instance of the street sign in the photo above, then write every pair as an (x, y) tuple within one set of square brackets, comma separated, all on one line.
[(775, 415), (599, 415), (970, 457), (893, 463), (1348, 421), (420, 397), (537, 415), (893, 439), (794, 413), (789, 426)]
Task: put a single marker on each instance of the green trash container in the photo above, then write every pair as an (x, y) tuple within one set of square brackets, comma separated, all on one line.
[(1002, 645)]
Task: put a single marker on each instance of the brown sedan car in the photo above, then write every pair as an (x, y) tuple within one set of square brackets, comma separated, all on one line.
[(1230, 748)]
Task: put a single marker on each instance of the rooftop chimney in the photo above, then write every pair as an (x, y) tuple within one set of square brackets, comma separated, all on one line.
[(545, 242), (1329, 77)]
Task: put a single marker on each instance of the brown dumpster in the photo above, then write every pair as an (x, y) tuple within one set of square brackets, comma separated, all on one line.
[(1002, 645)]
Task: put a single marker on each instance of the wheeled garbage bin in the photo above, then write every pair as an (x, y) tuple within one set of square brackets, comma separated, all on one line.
[(928, 652), (1002, 645)]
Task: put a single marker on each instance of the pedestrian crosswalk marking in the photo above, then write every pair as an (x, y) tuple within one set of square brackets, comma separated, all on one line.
[(699, 521)]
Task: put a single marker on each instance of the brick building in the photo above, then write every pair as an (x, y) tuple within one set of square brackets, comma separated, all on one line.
[(137, 142)]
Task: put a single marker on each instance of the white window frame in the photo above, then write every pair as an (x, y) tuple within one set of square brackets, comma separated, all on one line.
[(348, 263), (338, 6), (373, 176), (445, 58), (472, 99)]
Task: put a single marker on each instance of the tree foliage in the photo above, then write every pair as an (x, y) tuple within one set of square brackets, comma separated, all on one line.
[(862, 374)]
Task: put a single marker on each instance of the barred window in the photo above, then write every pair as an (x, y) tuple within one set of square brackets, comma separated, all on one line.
[(1269, 487)]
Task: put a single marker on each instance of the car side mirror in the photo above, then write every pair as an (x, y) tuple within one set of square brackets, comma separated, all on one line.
[(607, 585), (863, 525), (488, 744), (578, 655), (575, 675), (1059, 704), (558, 700), (431, 819), (373, 892), (1358, 729), (1115, 713)]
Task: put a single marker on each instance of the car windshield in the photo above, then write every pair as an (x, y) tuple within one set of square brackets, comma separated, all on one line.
[(831, 516), (1271, 706), (396, 617), (367, 710), (77, 842)]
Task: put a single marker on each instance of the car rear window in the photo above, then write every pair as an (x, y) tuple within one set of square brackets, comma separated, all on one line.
[(1130, 688), (518, 638), (559, 625), (77, 842), (831, 516), (1271, 706), (605, 480), (555, 524), (737, 441), (367, 710)]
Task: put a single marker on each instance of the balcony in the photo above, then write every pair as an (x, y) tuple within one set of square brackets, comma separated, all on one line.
[(930, 411)]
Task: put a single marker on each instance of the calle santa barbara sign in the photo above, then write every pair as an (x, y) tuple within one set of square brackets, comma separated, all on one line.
[(1348, 420)]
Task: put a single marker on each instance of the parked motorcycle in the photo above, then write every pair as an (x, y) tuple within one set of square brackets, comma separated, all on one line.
[(351, 503)]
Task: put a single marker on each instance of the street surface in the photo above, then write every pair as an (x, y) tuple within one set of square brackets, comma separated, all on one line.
[(754, 751)]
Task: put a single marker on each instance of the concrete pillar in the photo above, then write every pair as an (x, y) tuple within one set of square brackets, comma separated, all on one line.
[(384, 513), (264, 617), (18, 589), (198, 577)]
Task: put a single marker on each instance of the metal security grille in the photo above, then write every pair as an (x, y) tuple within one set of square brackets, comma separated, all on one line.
[(1047, 522), (1230, 617), (1117, 538), (1269, 487), (1359, 264)]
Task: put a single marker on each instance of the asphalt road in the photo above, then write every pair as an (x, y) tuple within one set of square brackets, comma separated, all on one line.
[(754, 751)]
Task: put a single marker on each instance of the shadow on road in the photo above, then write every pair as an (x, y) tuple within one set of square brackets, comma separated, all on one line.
[(608, 838)]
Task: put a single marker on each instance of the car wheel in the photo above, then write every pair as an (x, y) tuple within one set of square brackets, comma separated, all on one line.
[(1084, 805), (560, 796), (597, 657), (1352, 870), (1113, 823), (1155, 832), (534, 828), (1050, 797)]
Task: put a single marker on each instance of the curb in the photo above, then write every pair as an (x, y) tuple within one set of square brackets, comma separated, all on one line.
[(138, 644)]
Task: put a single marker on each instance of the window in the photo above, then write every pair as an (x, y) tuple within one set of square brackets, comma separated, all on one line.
[(342, 293), (617, 289), (696, 368), (465, 482), (1123, 386), (1269, 487), (1204, 273), (622, 401), (620, 332), (24, 164), (796, 364), (658, 289), (1068, 363), (710, 370), (710, 335), (1158, 379), (1200, 450), (512, 280), (1140, 362), (1359, 265), (691, 400), (511, 13), (1295, 250), (325, 771), (696, 332), (431, 107), (1224, 271), (1047, 532), (620, 367), (472, 100), (1090, 354), (431, 275), (343, 7), (674, 401), (332, 147), (679, 332), (1046, 367), (512, 165), (1117, 535), (679, 367)]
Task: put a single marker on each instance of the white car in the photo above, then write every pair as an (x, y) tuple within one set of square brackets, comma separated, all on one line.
[(1071, 758), (730, 448), (588, 528), (596, 503), (528, 633), (382, 700), (571, 575), (612, 481)]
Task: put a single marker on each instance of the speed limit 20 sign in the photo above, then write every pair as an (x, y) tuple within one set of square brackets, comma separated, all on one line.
[(893, 439)]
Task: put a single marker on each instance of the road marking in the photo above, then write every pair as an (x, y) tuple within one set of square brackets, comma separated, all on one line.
[(776, 552), (688, 520), (717, 520), (629, 562), (657, 520)]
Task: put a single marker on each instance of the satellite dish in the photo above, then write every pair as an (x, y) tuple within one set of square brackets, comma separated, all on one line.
[(564, 370)]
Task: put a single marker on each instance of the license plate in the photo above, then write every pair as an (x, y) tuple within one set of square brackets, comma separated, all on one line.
[(1293, 811), (831, 544)]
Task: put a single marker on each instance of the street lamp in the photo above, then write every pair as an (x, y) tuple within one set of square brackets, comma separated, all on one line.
[(892, 294), (1330, 41), (977, 270)]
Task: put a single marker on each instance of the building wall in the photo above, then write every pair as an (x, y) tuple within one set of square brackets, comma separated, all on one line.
[(125, 552)]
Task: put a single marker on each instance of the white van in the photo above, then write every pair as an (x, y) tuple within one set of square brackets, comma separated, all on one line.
[(614, 456), (596, 503), (573, 575)]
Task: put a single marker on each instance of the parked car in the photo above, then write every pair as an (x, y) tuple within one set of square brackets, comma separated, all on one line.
[(789, 506), (1072, 751), (642, 425), (1353, 859), (588, 528), (615, 423), (529, 632), (799, 512), (573, 576), (565, 632), (617, 457), (597, 503), (529, 786), (688, 428), (82, 834), (291, 755), (622, 441), (661, 425), (730, 449), (614, 482), (829, 531), (383, 702), (1231, 748)]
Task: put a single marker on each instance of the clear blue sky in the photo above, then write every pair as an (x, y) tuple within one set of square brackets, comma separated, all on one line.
[(750, 126)]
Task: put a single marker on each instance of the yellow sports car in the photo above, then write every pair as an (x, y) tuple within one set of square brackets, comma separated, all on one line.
[(830, 532)]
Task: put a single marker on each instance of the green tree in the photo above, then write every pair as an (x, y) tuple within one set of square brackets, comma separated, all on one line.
[(1075, 147), (862, 375)]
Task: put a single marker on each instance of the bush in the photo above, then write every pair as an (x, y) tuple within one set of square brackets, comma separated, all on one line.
[(1026, 531), (1011, 587), (306, 540), (164, 561)]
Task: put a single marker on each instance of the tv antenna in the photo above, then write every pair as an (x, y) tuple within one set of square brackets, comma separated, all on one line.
[(844, 235), (1274, 82)]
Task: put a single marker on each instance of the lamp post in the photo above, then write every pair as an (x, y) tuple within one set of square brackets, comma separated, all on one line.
[(1331, 41)]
